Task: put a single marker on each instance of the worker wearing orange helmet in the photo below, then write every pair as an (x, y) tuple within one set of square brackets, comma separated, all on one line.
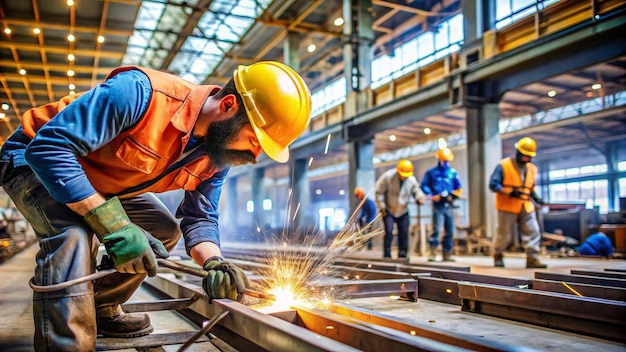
[(513, 181), (367, 211), (441, 183), (89, 163), (394, 190)]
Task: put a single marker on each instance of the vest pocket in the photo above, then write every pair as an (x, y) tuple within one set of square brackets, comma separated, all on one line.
[(186, 180), (137, 156)]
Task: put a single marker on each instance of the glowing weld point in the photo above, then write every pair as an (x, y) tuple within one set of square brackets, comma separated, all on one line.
[(448, 290), (369, 266), (329, 327), (413, 332)]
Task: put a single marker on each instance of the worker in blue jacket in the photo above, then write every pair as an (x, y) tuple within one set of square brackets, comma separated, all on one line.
[(368, 211), (443, 186), (596, 244)]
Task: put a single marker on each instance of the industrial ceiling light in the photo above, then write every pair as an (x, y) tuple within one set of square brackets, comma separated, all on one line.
[(318, 191), (392, 137), (441, 143), (70, 3), (427, 131), (100, 39), (36, 31), (552, 93), (5, 106), (71, 37), (311, 48), (596, 86), (22, 72), (72, 92), (72, 86), (70, 57), (342, 192), (7, 30), (70, 73), (338, 21), (2, 116)]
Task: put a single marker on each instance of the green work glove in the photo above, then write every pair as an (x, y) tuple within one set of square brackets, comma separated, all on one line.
[(224, 280), (126, 243)]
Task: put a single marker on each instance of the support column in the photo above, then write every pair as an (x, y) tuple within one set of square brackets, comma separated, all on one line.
[(361, 169), (357, 54), (230, 215), (291, 50), (300, 201), (257, 178), (484, 152), (612, 157)]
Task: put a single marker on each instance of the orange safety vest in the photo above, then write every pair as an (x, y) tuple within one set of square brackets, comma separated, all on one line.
[(147, 149), (512, 179)]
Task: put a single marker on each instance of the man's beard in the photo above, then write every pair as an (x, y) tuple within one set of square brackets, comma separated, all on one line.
[(222, 133)]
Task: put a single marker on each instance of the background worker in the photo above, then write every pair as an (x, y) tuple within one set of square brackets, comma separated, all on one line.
[(367, 211), (596, 244), (88, 163), (394, 190), (443, 186), (513, 180)]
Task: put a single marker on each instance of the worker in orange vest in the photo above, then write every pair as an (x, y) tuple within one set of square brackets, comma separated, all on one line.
[(513, 181), (89, 163)]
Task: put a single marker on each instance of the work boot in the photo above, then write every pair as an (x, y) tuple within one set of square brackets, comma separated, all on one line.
[(497, 260), (447, 257), (401, 254), (124, 325), (534, 263), (432, 254)]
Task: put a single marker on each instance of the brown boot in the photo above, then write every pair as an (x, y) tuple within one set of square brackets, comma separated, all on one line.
[(124, 325), (534, 263), (447, 257), (497, 260), (432, 254)]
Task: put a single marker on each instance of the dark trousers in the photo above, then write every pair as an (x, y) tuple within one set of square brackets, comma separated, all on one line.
[(402, 223), (66, 320)]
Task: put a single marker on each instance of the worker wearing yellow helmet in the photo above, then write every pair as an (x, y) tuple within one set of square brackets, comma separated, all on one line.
[(513, 181), (441, 183), (140, 132), (394, 190)]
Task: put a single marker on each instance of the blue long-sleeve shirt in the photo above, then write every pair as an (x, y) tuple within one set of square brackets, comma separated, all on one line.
[(91, 121), (368, 211), (441, 179), (597, 244)]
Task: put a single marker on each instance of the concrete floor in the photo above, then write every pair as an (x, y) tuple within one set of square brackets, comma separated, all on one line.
[(16, 327)]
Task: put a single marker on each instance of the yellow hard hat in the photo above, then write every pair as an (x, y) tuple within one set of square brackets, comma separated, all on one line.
[(527, 146), (359, 192), (405, 168), (278, 103), (445, 154)]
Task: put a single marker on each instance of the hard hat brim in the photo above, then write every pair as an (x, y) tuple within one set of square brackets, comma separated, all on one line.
[(405, 174), (272, 149), (530, 154)]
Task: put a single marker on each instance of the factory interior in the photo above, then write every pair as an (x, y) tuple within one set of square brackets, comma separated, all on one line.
[(390, 81)]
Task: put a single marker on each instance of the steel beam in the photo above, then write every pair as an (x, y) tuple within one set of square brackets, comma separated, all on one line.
[(600, 281), (454, 338), (586, 290), (591, 316), (249, 326)]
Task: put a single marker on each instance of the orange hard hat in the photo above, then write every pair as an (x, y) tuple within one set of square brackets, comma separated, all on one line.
[(278, 103), (359, 192), (527, 146), (445, 154), (405, 168)]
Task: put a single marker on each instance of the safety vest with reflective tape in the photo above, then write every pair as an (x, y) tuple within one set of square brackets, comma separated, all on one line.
[(511, 178), (144, 151)]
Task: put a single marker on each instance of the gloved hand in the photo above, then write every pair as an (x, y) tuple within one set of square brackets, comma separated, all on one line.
[(126, 243), (224, 280), (515, 194)]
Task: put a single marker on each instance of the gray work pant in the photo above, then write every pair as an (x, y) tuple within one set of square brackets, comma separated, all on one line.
[(528, 228), (66, 320)]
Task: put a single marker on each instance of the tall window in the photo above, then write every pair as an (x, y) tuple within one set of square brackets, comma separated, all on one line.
[(509, 11), (592, 193)]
